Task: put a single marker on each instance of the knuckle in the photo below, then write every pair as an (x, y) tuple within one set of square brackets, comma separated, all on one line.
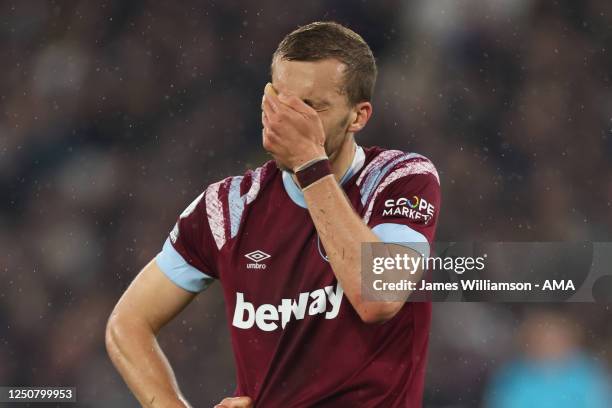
[(271, 128), (274, 120), (281, 116)]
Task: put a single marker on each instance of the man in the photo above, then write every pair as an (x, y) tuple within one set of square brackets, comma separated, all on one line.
[(284, 241)]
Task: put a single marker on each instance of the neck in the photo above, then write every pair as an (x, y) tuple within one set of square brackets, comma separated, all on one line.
[(342, 158)]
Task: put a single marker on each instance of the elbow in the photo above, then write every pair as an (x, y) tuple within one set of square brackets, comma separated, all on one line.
[(378, 313), (112, 335), (122, 330), (118, 331)]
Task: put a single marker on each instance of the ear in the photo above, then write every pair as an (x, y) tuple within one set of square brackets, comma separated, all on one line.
[(359, 116)]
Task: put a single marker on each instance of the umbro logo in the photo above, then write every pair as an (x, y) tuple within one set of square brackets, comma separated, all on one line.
[(257, 257)]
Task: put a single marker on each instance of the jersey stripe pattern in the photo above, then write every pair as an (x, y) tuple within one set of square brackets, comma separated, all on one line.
[(297, 340)]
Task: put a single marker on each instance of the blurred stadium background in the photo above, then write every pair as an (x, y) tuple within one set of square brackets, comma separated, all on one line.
[(116, 114)]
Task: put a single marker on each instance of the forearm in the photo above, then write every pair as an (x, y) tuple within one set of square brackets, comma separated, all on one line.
[(342, 233), (294, 134), (136, 354)]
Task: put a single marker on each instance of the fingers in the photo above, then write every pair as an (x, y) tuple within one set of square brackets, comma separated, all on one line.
[(270, 113), (269, 137), (277, 101), (236, 402), (270, 99), (296, 104), (269, 141), (269, 89)]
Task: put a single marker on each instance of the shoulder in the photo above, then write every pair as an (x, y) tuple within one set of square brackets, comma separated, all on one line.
[(385, 167), (226, 200), (248, 185), (382, 164)]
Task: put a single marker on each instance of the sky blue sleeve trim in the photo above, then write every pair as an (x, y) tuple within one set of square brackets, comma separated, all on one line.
[(295, 192), (174, 266), (403, 235)]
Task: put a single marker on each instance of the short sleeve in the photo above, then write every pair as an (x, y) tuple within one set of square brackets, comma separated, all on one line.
[(187, 256), (406, 211)]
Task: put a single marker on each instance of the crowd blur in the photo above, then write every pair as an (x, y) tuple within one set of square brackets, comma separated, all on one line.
[(116, 114)]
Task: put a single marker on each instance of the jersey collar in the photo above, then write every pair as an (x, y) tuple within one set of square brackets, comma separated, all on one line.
[(295, 193)]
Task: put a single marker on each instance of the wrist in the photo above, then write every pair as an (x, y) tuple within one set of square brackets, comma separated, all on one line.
[(307, 163), (308, 155), (313, 171)]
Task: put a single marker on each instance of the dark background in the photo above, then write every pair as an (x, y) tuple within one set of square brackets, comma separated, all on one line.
[(116, 115)]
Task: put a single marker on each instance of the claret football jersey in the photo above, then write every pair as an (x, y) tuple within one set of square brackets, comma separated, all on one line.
[(297, 341)]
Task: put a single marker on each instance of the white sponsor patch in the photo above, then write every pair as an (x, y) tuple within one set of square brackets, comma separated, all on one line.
[(268, 317), (415, 208)]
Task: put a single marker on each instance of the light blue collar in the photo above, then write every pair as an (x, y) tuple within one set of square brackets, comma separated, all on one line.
[(295, 193)]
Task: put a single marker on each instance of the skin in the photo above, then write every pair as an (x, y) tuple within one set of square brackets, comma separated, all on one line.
[(319, 86), (147, 305), (305, 115), (303, 111)]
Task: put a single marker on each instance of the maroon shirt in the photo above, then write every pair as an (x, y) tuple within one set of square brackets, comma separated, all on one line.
[(297, 340)]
